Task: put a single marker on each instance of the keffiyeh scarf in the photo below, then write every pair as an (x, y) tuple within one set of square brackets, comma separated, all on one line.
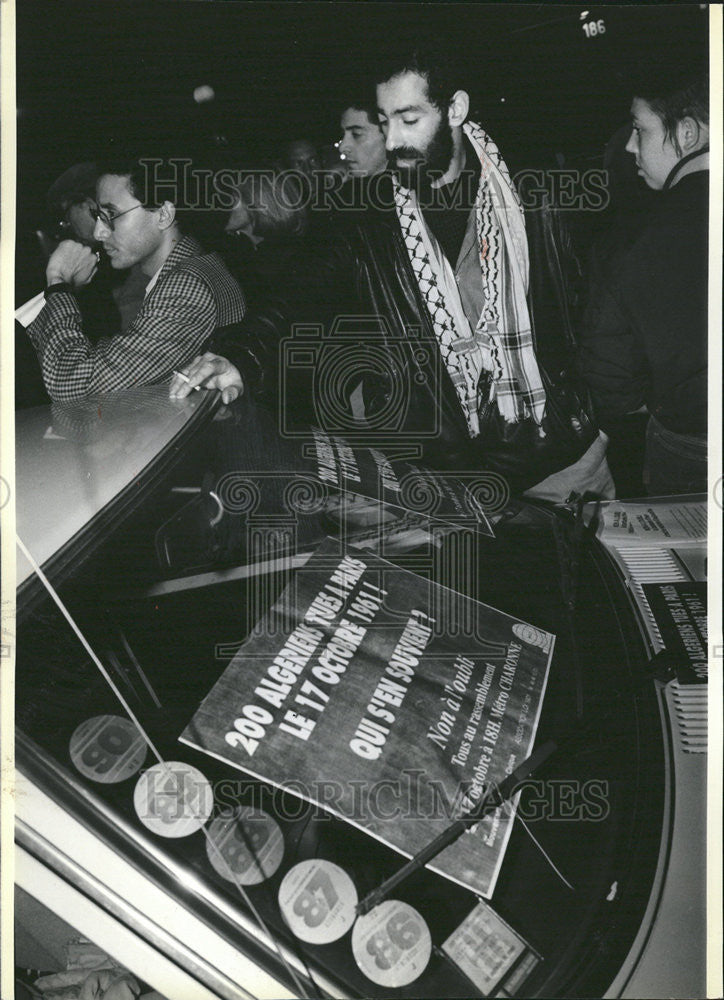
[(502, 342)]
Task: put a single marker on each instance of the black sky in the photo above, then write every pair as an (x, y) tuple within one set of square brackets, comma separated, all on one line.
[(91, 72)]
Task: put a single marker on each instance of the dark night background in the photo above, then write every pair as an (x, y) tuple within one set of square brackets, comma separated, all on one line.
[(89, 73)]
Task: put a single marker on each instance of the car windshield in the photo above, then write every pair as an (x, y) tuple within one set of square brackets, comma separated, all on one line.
[(161, 604)]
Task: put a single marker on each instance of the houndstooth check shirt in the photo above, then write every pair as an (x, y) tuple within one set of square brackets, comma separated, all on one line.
[(192, 296)]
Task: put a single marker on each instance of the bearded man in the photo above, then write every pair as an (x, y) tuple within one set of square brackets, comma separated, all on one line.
[(433, 263)]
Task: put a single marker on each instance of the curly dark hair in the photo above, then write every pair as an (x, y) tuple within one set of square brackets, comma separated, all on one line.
[(430, 60), (366, 103)]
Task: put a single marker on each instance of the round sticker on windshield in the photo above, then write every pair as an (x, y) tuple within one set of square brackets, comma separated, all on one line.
[(107, 748), (246, 846), (391, 944), (173, 799), (532, 635), (318, 901)]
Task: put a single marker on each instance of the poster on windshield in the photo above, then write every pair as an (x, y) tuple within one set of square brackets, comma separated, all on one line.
[(386, 699)]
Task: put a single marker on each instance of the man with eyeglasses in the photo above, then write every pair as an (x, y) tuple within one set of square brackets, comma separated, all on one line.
[(112, 299), (189, 293), (107, 304)]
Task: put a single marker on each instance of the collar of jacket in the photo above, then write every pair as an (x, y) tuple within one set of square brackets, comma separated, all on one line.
[(187, 246), (694, 162)]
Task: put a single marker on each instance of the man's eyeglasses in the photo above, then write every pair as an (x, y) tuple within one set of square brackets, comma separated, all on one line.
[(99, 214)]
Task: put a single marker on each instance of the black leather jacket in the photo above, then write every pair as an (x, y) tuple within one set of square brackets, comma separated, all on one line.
[(359, 290)]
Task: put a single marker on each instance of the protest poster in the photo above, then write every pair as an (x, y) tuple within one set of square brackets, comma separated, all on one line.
[(680, 610), (361, 686), (661, 521)]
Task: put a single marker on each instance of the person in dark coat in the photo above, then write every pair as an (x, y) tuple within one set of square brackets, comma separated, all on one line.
[(644, 343)]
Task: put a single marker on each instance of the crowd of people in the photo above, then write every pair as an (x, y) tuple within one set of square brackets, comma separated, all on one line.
[(492, 340)]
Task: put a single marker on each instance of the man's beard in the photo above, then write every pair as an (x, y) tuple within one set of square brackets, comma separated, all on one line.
[(429, 164)]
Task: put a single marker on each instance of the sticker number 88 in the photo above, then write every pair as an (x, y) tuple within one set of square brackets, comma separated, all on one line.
[(242, 849), (400, 934)]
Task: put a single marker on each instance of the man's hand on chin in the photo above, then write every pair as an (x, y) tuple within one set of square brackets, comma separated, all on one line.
[(72, 263), (208, 371)]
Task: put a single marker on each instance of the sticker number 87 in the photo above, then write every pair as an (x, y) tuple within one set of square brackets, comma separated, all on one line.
[(315, 901)]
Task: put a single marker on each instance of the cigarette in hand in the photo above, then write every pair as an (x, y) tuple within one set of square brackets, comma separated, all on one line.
[(186, 379)]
